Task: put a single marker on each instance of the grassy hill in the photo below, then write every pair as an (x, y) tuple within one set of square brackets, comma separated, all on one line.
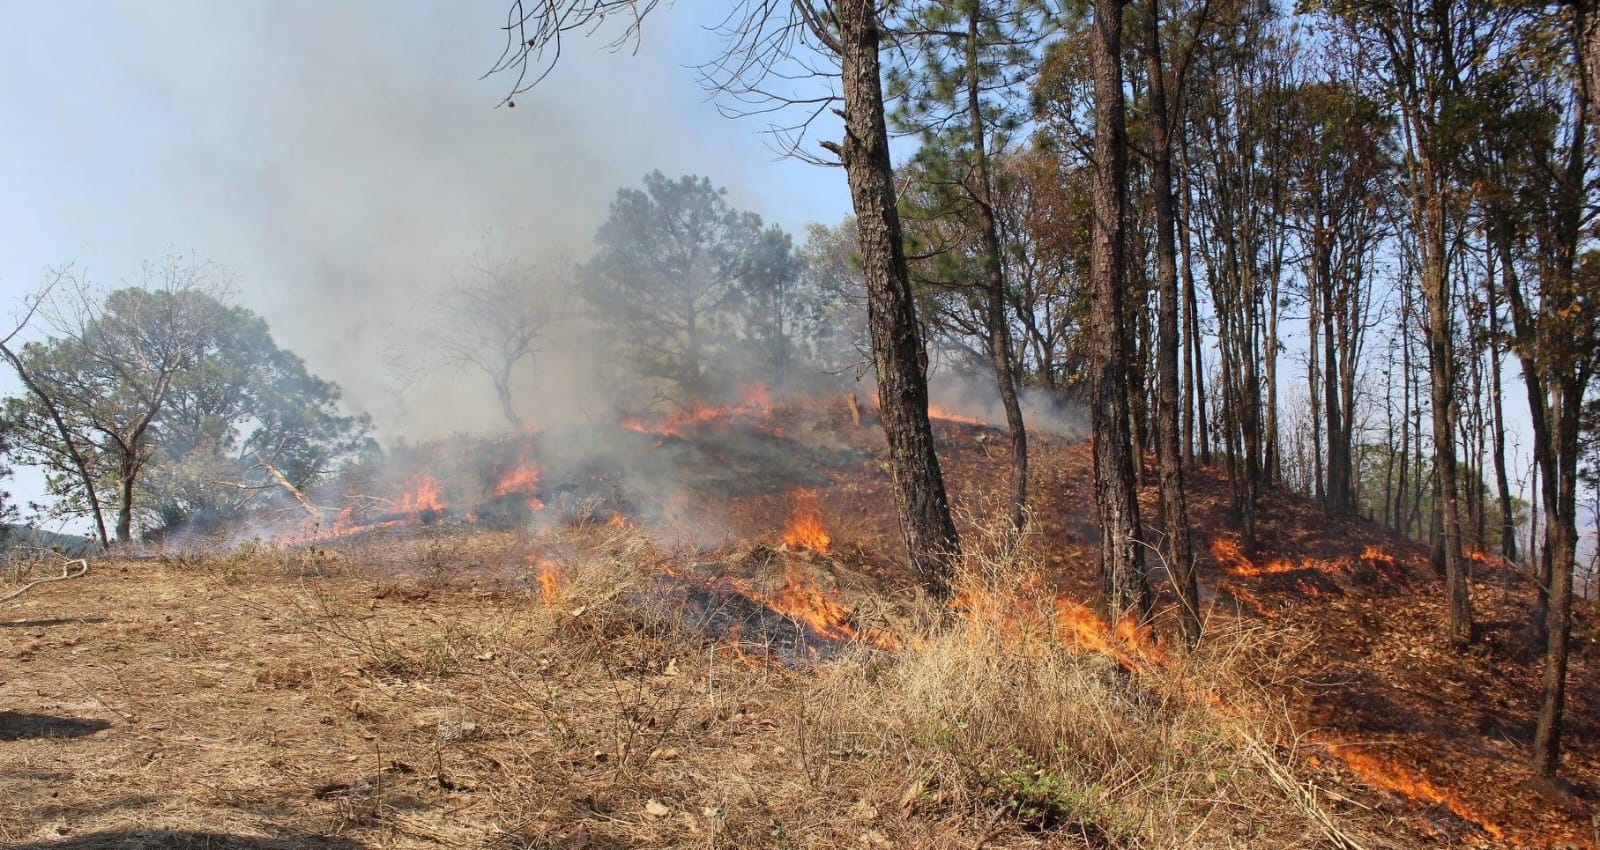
[(727, 652)]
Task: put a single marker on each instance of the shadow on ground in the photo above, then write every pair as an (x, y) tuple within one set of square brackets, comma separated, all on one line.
[(169, 839), (16, 726), (53, 621)]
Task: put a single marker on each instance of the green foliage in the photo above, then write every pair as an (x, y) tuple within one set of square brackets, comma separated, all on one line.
[(1042, 799), (8, 511), (175, 401), (698, 294)]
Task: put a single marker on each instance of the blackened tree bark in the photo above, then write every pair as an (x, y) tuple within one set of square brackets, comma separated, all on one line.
[(1176, 546), (897, 344), (1122, 569)]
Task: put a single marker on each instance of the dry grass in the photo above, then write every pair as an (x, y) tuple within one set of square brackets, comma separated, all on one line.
[(357, 693)]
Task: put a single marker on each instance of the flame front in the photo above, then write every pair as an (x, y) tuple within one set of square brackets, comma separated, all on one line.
[(937, 412), (1377, 556), (805, 529), (1391, 776), (802, 600), (754, 400), (1231, 557)]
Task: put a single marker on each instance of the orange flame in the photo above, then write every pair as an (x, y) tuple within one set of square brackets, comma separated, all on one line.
[(1230, 557), (423, 496), (755, 400), (802, 600), (1376, 555), (1127, 642), (805, 529), (755, 397), (523, 480), (548, 575), (937, 412), (1391, 776)]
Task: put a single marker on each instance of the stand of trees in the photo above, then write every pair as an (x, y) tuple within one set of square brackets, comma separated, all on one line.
[(1320, 262), (162, 404)]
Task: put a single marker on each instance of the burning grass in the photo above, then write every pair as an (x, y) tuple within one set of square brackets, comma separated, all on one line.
[(372, 693)]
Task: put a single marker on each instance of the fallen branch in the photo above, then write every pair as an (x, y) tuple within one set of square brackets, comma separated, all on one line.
[(66, 573), (855, 409), (283, 481), (1304, 794)]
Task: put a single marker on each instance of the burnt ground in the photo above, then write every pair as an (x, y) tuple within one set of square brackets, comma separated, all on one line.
[(116, 676)]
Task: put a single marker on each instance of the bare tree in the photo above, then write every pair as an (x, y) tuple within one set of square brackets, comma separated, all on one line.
[(493, 319)]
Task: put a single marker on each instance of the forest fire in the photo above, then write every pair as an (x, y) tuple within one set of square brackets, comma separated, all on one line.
[(803, 600), (1374, 555), (422, 498), (1129, 642), (548, 576), (805, 529), (1231, 557), (1389, 775), (522, 480), (937, 412), (754, 400), (756, 397)]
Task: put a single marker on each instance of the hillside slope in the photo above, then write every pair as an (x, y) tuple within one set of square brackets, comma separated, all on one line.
[(726, 652)]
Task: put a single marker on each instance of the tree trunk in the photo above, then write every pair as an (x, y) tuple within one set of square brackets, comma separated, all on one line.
[(127, 472), (1587, 24), (1314, 370), (1569, 363), (502, 391), (1176, 547), (1441, 358), (996, 322), (897, 345), (691, 359), (1405, 409), (1122, 570), (1196, 385), (1562, 552), (79, 463)]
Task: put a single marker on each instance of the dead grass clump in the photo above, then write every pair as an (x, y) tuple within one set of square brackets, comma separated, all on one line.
[(1002, 729)]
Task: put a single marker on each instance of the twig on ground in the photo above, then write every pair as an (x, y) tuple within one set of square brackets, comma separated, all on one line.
[(66, 573)]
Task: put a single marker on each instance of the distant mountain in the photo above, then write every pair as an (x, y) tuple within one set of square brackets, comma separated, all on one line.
[(25, 535)]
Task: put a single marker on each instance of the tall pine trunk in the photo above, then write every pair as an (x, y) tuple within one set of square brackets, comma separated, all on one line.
[(897, 345), (996, 322), (1441, 361), (1176, 545), (1122, 570)]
